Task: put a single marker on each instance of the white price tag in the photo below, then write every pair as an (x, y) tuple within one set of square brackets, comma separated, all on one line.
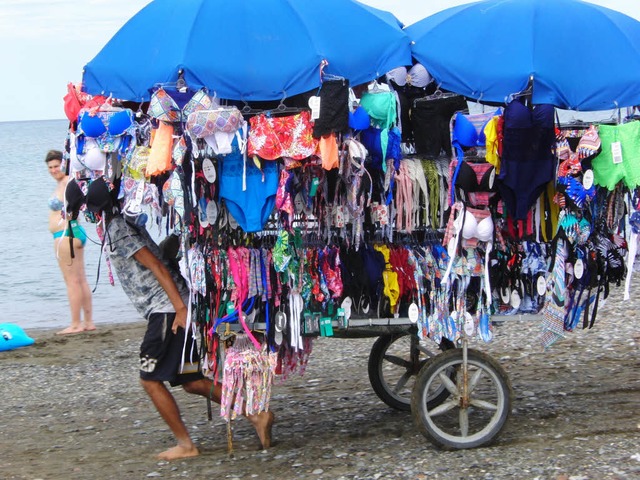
[(505, 295), (314, 105), (541, 285), (413, 313), (515, 299), (616, 152), (587, 179), (233, 224), (346, 306), (209, 170), (139, 193), (212, 212), (469, 324), (578, 269)]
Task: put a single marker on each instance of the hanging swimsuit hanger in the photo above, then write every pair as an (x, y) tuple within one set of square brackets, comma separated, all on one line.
[(280, 109), (437, 95)]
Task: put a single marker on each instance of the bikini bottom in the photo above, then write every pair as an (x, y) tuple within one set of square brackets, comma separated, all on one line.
[(76, 228)]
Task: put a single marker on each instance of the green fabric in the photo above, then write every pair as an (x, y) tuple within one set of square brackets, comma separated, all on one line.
[(608, 174), (433, 186), (381, 107)]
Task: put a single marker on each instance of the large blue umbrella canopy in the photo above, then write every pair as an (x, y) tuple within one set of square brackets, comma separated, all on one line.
[(580, 56), (247, 49)]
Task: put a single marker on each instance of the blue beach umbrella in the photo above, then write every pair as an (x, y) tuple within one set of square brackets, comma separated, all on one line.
[(247, 49), (579, 56)]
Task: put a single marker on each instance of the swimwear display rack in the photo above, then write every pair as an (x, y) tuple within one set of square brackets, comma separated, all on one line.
[(294, 224)]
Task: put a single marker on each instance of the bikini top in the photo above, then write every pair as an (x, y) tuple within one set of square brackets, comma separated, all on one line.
[(476, 177), (417, 76), (55, 204), (481, 230), (588, 146), (163, 106), (93, 158), (105, 127), (468, 130), (113, 123)]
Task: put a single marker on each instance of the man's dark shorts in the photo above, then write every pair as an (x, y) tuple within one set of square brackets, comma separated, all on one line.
[(161, 352)]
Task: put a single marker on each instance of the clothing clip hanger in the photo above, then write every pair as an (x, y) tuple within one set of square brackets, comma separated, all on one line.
[(179, 85), (438, 94), (282, 108), (248, 110), (331, 76)]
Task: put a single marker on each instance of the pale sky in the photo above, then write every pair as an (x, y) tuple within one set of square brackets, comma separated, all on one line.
[(45, 43)]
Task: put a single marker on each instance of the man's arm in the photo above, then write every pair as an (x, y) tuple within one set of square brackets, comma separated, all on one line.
[(153, 263)]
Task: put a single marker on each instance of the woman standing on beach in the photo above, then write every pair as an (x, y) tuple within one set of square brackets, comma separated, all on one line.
[(72, 266)]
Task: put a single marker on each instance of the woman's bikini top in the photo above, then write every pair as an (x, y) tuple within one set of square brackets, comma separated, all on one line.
[(55, 204)]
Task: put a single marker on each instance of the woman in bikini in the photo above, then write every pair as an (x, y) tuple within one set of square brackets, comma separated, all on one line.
[(71, 264)]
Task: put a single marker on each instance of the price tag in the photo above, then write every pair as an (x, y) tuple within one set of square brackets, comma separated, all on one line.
[(541, 285), (230, 307), (515, 299), (280, 321), (233, 223), (298, 203), (413, 313), (139, 193), (587, 179), (209, 170), (314, 105), (492, 178), (616, 152), (346, 307), (314, 186), (212, 212), (469, 324), (578, 269), (505, 295)]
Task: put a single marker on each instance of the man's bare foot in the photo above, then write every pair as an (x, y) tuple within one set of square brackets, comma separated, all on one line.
[(178, 452), (89, 328), (263, 423), (70, 331)]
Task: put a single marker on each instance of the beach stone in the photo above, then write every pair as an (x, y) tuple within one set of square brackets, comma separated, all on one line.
[(574, 413)]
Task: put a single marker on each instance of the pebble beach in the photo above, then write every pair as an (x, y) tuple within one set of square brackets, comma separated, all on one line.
[(72, 408)]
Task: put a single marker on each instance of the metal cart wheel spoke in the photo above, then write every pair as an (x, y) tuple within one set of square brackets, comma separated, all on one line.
[(479, 402), (394, 362), (401, 362)]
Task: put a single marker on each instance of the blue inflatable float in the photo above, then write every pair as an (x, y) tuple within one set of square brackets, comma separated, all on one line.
[(12, 337)]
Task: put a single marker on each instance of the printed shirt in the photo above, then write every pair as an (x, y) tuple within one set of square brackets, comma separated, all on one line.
[(138, 282)]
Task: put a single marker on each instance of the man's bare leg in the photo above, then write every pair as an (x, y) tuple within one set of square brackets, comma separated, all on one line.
[(262, 422), (170, 413)]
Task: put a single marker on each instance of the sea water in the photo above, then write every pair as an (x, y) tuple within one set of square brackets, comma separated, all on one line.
[(32, 290)]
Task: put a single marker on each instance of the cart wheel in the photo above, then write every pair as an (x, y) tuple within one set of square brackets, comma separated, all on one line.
[(456, 423), (394, 361)]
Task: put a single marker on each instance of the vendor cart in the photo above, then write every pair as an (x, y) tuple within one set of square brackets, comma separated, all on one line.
[(459, 397)]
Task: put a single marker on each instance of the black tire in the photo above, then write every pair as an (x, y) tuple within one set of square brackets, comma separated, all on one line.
[(449, 425), (394, 362)]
